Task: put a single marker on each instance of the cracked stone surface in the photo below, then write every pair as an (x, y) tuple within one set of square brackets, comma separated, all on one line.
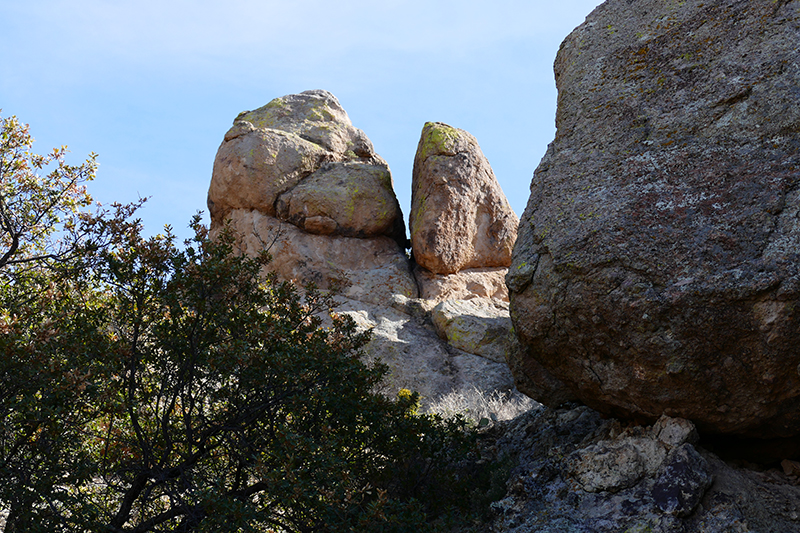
[(578, 472), (656, 269)]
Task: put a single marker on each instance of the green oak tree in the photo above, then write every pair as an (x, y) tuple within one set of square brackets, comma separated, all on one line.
[(40, 195), (49, 328)]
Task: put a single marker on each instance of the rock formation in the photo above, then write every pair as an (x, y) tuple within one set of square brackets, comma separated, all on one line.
[(577, 472), (657, 268), (462, 227), (297, 178)]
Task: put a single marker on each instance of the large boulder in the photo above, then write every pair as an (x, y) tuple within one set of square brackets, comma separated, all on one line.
[(295, 175), (657, 269), (460, 222), (460, 217)]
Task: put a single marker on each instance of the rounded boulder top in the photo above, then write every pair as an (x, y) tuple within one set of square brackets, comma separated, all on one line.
[(316, 116)]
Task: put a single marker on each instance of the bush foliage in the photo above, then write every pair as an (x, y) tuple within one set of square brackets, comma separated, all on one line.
[(147, 386)]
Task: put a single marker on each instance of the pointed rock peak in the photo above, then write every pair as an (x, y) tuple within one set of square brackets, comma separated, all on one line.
[(440, 139)]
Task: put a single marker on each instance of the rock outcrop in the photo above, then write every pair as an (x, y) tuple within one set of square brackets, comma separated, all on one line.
[(462, 227), (578, 472), (295, 177), (657, 268)]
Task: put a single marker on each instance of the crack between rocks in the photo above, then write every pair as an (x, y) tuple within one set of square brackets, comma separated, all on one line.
[(596, 376), (740, 96), (412, 265)]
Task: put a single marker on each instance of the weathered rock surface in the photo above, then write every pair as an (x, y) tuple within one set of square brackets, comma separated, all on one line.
[(254, 166), (296, 178), (479, 326), (460, 219), (534, 380), (369, 270), (403, 338), (470, 283), (579, 473), (300, 159), (657, 269)]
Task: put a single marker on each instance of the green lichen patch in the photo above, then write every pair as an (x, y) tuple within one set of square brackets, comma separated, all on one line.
[(266, 116), (276, 112), (438, 139)]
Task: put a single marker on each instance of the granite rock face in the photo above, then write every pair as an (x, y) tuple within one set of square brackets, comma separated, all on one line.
[(296, 178), (470, 283), (370, 270), (460, 219), (300, 159), (354, 200), (657, 268)]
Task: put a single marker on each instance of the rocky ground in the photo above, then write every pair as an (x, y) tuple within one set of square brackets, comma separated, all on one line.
[(579, 472)]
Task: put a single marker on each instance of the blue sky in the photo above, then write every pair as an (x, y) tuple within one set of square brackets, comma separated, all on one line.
[(153, 85)]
